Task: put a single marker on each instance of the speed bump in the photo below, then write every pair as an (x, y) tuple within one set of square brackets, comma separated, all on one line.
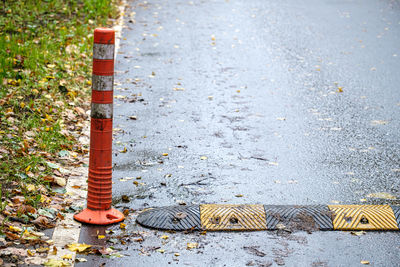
[(232, 217), (363, 217), (314, 217), (215, 217), (178, 218)]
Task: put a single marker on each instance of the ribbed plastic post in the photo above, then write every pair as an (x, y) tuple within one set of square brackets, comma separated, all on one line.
[(99, 195)]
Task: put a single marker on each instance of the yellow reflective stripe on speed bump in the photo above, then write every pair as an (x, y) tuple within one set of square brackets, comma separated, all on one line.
[(232, 217), (363, 217)]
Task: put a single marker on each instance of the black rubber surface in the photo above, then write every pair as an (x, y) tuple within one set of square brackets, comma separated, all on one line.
[(396, 211), (178, 218), (308, 218)]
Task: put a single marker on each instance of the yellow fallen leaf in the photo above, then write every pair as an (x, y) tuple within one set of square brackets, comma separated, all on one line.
[(76, 247), (101, 236), (177, 254), (124, 150), (239, 195), (31, 187), (30, 252), (364, 262), (165, 154), (67, 257), (161, 250), (203, 158), (358, 233), (340, 89), (382, 195), (122, 226), (165, 237), (15, 229), (56, 263), (191, 245)]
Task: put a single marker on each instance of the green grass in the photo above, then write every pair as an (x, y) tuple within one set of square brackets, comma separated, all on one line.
[(45, 69)]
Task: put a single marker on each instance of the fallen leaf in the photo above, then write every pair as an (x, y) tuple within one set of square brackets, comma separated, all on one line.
[(165, 237), (42, 250), (81, 260), (122, 226), (358, 233), (31, 187), (15, 229), (239, 195), (43, 221), (165, 154), (191, 245), (125, 198), (203, 158), (364, 262), (101, 236), (76, 247), (161, 250), (60, 181), (126, 212), (105, 251), (67, 257), (56, 263)]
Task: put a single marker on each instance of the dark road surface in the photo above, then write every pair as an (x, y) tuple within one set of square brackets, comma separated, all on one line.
[(256, 102)]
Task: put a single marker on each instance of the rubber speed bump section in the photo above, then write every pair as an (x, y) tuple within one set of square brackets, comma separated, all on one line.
[(396, 211), (232, 217), (177, 218), (363, 217), (307, 218)]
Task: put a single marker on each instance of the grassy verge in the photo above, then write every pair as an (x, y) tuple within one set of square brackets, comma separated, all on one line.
[(45, 70)]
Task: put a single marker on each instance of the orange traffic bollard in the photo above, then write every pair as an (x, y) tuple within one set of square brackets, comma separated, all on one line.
[(99, 195)]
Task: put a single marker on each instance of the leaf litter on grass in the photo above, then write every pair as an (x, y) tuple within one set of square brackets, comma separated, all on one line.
[(45, 60)]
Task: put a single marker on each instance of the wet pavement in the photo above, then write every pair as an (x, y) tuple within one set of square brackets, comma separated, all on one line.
[(255, 102)]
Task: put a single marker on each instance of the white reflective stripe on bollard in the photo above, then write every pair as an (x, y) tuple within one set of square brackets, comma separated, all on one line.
[(103, 51), (102, 83), (101, 111)]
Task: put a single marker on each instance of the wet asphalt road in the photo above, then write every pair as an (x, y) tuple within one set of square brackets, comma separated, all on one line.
[(282, 102)]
